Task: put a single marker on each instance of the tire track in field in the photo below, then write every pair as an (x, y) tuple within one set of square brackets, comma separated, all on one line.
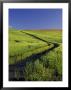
[(36, 37), (20, 65)]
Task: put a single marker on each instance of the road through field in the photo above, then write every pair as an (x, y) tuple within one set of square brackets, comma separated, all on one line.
[(20, 65)]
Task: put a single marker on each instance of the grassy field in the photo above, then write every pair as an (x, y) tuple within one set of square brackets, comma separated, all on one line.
[(48, 35), (26, 43)]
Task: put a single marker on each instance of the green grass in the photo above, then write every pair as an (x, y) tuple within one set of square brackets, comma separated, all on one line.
[(48, 35), (22, 45), (47, 68)]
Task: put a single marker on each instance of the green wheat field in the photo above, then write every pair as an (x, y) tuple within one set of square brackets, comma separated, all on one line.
[(35, 55)]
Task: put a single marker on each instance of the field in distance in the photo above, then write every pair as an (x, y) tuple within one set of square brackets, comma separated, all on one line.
[(44, 43)]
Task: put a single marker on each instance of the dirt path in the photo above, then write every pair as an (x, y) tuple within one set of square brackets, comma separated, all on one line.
[(35, 37), (20, 65)]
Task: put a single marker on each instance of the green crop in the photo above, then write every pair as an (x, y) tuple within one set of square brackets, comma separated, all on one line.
[(39, 47)]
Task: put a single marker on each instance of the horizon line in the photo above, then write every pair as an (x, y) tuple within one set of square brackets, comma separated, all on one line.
[(35, 29)]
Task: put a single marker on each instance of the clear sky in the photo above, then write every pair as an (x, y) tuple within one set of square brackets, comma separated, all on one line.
[(35, 18)]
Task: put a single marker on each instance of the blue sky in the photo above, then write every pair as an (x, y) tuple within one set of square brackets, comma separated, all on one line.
[(35, 18)]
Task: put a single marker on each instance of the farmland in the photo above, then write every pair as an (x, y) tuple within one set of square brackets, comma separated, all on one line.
[(38, 53)]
